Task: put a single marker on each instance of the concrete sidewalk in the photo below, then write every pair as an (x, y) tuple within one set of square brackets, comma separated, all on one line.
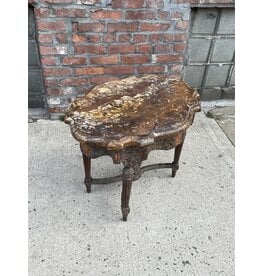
[(177, 226)]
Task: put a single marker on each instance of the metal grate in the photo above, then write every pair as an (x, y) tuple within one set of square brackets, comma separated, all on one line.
[(36, 92), (210, 58)]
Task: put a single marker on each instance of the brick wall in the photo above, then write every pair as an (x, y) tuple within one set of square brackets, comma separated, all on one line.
[(86, 42)]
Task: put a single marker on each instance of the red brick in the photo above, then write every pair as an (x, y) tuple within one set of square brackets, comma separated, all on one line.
[(93, 38), (109, 38), (42, 12), (118, 3), (121, 48), (45, 38), (176, 15), (50, 60), (113, 59), (120, 69), (122, 27), (163, 48), (89, 71), (155, 4), (177, 68), (89, 49), (61, 38), (78, 38), (179, 48), (139, 15), (134, 59), (47, 50), (75, 82), (154, 27), (150, 69), (163, 15), (144, 48), (88, 27), (74, 60), (182, 25), (54, 91), (154, 37), (135, 4), (70, 12), (185, 1), (124, 37), (139, 38), (49, 72), (174, 37), (58, 25), (51, 82), (101, 79), (106, 14), (58, 1), (169, 58)]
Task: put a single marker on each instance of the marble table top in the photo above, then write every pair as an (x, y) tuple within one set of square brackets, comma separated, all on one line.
[(132, 111)]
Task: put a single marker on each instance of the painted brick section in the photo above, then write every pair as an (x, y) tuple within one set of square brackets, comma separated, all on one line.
[(83, 43)]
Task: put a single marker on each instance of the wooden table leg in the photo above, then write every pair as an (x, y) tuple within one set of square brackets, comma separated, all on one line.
[(126, 191), (175, 163), (131, 160), (87, 167)]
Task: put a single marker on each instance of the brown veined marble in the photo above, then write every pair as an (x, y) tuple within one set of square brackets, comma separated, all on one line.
[(132, 111)]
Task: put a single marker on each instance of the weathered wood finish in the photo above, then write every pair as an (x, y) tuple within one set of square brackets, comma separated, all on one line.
[(127, 119), (87, 167)]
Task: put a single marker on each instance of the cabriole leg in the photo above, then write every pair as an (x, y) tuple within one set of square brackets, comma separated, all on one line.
[(87, 167), (175, 163), (126, 191)]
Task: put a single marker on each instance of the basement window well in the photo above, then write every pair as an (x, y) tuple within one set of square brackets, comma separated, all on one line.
[(210, 62)]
